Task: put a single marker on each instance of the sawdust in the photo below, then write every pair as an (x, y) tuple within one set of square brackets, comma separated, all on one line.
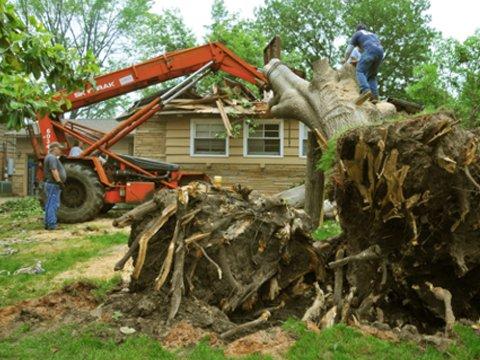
[(274, 342), (184, 334)]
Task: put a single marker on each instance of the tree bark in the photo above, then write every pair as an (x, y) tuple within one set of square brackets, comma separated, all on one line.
[(314, 182)]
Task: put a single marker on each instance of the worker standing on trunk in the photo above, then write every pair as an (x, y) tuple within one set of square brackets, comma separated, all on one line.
[(367, 67), (55, 177)]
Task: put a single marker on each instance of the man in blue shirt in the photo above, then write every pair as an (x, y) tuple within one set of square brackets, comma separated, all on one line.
[(55, 176), (367, 67), (76, 149)]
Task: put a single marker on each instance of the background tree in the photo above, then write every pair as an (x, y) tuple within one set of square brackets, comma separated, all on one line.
[(427, 87), (308, 28), (160, 33), (102, 27), (468, 70), (406, 34), (119, 33), (30, 64), (238, 34)]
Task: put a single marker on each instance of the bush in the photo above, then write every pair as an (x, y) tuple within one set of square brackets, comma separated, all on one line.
[(21, 208)]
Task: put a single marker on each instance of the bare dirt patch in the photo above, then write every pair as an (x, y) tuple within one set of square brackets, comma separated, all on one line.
[(100, 267), (274, 342), (71, 304)]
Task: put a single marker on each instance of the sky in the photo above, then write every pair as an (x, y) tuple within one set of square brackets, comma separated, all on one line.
[(458, 19)]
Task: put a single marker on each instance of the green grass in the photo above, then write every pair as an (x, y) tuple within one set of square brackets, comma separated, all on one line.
[(72, 251), (94, 342), (99, 341), (328, 229), (342, 342), (19, 216)]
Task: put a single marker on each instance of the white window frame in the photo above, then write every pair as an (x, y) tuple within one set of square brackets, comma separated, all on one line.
[(301, 129), (193, 124), (246, 132)]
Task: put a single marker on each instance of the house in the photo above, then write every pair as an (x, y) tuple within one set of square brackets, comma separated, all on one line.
[(266, 154), (19, 152)]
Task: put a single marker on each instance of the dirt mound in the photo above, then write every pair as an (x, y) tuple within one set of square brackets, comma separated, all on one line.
[(71, 304)]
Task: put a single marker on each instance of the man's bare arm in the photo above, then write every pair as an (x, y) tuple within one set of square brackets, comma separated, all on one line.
[(56, 175)]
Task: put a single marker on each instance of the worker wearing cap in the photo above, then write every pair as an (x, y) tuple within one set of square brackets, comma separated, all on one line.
[(367, 67), (55, 177)]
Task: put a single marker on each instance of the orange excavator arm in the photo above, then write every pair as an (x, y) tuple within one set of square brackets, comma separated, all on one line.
[(195, 62), (165, 67)]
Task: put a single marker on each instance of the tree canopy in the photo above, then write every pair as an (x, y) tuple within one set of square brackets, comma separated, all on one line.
[(31, 63), (57, 50)]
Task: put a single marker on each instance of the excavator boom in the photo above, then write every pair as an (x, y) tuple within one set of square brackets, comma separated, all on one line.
[(165, 67)]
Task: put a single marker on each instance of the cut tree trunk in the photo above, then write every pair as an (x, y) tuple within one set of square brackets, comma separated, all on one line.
[(314, 182), (326, 104)]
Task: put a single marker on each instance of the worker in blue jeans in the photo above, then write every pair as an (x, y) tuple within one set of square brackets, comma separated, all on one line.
[(367, 67), (55, 176)]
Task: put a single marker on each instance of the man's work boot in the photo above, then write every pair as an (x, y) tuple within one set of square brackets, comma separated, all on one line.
[(364, 96), (374, 99)]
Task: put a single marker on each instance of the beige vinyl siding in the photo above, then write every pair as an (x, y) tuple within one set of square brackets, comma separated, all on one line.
[(267, 174), (177, 145)]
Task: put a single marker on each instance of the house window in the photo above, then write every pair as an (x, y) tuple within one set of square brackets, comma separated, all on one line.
[(263, 138), (303, 131), (207, 138)]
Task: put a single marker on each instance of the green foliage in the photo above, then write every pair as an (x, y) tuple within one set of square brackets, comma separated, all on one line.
[(21, 208), (239, 35), (31, 62), (468, 68), (451, 79), (162, 33), (119, 33), (327, 161), (404, 29), (427, 87), (329, 229), (308, 28)]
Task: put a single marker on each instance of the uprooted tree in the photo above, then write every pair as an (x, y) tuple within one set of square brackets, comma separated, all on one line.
[(407, 195)]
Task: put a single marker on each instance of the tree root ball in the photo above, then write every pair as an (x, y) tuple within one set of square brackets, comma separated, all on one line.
[(409, 201), (230, 248)]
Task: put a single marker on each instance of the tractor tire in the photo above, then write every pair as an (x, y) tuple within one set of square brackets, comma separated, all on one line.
[(82, 198), (106, 208)]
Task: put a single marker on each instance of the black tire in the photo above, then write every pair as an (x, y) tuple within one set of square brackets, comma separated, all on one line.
[(106, 208), (82, 198)]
